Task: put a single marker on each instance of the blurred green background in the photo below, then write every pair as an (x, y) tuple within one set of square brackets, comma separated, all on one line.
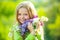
[(48, 8)]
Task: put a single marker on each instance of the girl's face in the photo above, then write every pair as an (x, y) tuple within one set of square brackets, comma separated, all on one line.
[(22, 15)]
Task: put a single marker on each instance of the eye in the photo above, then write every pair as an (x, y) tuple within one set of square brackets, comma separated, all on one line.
[(25, 14), (19, 14)]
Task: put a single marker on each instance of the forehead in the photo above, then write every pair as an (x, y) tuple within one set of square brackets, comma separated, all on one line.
[(22, 10)]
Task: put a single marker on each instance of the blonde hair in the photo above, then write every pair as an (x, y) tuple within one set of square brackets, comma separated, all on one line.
[(30, 8)]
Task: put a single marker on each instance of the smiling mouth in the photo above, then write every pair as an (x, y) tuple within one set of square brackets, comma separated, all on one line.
[(22, 21)]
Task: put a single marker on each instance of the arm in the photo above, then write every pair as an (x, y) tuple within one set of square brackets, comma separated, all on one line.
[(10, 34), (39, 30), (31, 36)]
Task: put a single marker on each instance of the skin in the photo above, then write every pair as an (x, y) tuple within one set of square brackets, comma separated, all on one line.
[(22, 16)]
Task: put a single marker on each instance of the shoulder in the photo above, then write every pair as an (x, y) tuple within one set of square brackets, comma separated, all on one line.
[(14, 27)]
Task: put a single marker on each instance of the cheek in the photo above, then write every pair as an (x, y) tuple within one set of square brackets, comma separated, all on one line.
[(18, 17), (26, 17)]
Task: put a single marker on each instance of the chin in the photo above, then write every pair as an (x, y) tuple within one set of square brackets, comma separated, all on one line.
[(21, 22)]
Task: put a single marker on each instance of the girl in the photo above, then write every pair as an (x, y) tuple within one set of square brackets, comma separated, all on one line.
[(23, 29)]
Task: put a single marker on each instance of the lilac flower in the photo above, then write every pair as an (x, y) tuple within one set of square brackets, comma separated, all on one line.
[(23, 27)]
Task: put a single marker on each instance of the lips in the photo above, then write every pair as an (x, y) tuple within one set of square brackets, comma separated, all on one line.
[(22, 21)]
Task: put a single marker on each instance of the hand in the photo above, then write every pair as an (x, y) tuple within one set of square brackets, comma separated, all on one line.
[(39, 23), (30, 28)]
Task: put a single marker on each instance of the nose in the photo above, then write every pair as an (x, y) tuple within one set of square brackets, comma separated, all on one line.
[(22, 17)]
